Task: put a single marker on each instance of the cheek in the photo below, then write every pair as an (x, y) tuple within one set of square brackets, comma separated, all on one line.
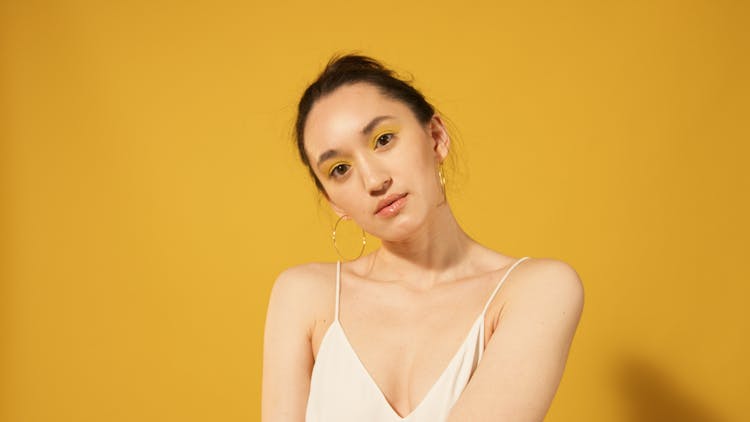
[(348, 197), (419, 161)]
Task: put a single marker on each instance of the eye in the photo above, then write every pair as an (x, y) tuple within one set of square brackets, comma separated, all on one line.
[(339, 170), (384, 139)]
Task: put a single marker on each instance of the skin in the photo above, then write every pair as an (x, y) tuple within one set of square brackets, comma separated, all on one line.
[(397, 304)]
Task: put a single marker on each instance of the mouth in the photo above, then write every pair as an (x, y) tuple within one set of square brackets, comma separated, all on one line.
[(388, 202)]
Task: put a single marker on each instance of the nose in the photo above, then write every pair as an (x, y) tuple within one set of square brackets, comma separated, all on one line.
[(376, 180), (380, 188)]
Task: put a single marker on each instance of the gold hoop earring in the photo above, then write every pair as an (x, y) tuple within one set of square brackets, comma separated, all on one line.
[(333, 236), (442, 177)]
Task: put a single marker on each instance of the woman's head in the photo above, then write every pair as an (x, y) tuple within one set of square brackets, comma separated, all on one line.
[(365, 135)]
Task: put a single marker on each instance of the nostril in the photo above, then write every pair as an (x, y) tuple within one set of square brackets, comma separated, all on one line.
[(383, 187)]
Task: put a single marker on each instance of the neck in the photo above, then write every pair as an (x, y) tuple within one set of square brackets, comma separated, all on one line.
[(435, 253)]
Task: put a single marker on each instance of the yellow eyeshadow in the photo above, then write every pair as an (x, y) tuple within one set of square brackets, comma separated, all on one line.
[(333, 166), (383, 131)]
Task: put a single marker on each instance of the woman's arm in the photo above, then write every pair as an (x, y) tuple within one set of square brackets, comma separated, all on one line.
[(287, 355), (525, 357)]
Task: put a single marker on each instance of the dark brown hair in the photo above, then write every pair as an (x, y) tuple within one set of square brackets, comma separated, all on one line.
[(349, 69)]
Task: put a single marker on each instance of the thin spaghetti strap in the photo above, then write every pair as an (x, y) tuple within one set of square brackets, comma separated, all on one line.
[(497, 288), (338, 283), (487, 305)]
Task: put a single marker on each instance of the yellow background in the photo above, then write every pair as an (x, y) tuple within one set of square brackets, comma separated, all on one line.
[(151, 193)]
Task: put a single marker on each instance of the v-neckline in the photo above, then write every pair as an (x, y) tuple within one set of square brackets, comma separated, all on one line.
[(370, 378)]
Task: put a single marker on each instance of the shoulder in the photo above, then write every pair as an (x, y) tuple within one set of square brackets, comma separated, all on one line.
[(303, 289), (547, 286), (287, 353), (303, 277), (525, 356), (302, 281), (550, 275)]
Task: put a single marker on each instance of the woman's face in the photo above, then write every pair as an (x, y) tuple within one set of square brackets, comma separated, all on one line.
[(368, 149)]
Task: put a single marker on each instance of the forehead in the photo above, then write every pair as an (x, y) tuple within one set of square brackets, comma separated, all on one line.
[(342, 114)]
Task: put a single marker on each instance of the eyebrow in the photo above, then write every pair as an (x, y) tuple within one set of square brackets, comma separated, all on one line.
[(365, 130), (374, 122)]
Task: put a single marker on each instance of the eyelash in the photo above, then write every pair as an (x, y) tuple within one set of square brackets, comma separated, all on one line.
[(381, 136), (333, 172)]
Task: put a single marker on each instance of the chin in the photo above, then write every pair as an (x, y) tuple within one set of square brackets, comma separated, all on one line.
[(401, 228)]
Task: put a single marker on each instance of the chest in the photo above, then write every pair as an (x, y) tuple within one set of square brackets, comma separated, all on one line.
[(406, 340)]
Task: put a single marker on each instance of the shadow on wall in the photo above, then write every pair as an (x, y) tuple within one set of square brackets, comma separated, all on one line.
[(651, 397)]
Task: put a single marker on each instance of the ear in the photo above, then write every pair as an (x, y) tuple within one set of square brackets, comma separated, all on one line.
[(440, 138)]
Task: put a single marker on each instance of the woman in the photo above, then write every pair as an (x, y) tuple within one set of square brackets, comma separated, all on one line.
[(432, 326)]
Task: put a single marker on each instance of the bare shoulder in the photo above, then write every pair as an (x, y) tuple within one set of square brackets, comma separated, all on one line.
[(547, 286), (303, 289), (302, 278), (287, 354), (525, 357), (549, 275)]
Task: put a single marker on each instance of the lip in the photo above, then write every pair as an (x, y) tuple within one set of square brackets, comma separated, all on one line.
[(386, 204)]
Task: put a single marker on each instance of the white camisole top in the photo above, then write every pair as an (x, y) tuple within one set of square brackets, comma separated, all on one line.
[(342, 390)]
